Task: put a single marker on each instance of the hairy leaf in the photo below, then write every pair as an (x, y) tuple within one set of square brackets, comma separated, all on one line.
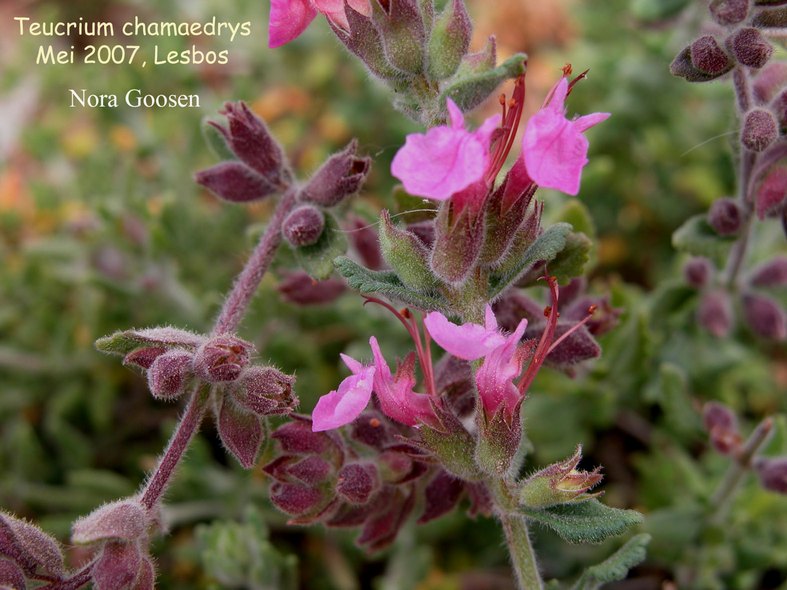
[(617, 566), (584, 522)]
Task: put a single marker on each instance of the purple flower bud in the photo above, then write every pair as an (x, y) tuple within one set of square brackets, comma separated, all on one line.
[(124, 520), (265, 391), (341, 176), (729, 12), (765, 317), (240, 431), (779, 107), (771, 194), (371, 429), (249, 139), (222, 358), (395, 467), (697, 272), (750, 47), (312, 470), (169, 373), (770, 80), (771, 274), (357, 482), (146, 578), (295, 499), (715, 313), (11, 576), (234, 182), (144, 357), (364, 41), (722, 425), (297, 437), (441, 495), (578, 346), (760, 129), (772, 474), (304, 226), (364, 239), (725, 217), (118, 567), (301, 289), (708, 56), (381, 528)]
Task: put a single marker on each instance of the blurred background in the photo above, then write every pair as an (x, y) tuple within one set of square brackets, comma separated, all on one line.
[(102, 229)]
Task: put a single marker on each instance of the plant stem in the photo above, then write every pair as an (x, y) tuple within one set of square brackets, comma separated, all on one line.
[(730, 484), (523, 557), (186, 429), (249, 279)]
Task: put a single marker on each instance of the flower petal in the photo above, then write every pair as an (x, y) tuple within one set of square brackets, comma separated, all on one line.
[(344, 405), (468, 341), (288, 19)]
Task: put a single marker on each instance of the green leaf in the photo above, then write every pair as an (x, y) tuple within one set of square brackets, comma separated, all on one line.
[(544, 249), (679, 413), (215, 140), (698, 238), (584, 522), (386, 283), (617, 566), (468, 90), (317, 259), (571, 261), (578, 215), (165, 336)]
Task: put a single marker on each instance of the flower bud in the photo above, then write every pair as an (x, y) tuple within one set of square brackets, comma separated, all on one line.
[(406, 255), (441, 496), (30, 547), (765, 317), (265, 391), (357, 482), (304, 226), (708, 56), (771, 194), (295, 499), (559, 483), (749, 47), (771, 274), (779, 108), (760, 129), (222, 358), (722, 425), (450, 40), (458, 241), (697, 272), (234, 182), (341, 176), (389, 514), (715, 313), (169, 373), (249, 139), (729, 12), (403, 35), (364, 41), (725, 217), (297, 437), (772, 474), (299, 288)]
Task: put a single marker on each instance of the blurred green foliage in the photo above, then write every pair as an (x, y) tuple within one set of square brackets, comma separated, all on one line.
[(102, 228)]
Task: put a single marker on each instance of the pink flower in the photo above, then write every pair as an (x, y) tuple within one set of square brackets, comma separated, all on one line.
[(396, 395), (445, 159), (289, 18), (344, 405), (468, 341), (554, 148), (495, 377)]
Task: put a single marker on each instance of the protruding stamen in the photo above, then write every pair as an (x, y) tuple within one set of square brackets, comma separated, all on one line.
[(543, 348), (591, 310)]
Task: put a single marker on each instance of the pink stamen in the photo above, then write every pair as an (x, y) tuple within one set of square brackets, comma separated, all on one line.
[(591, 310), (543, 348)]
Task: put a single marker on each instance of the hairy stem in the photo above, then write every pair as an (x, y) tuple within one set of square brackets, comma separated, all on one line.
[(523, 557), (186, 429), (249, 279), (730, 484)]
